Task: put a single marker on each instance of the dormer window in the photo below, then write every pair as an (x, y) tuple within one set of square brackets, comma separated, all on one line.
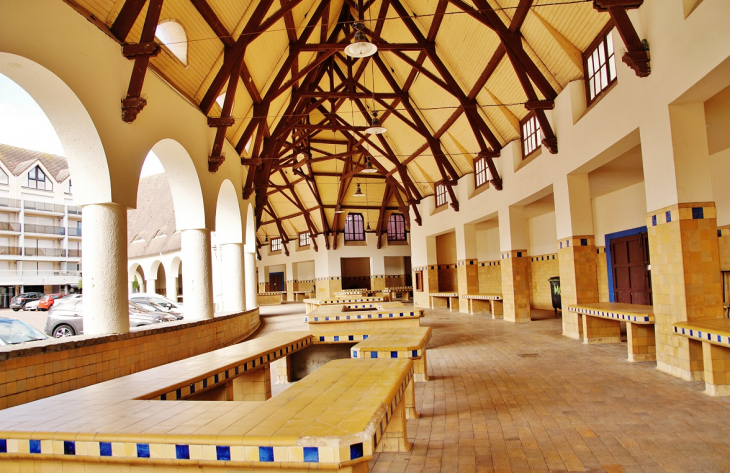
[(37, 179), (481, 176), (600, 66), (276, 244), (531, 135), (354, 228), (68, 189), (396, 227), (305, 239), (172, 35), (442, 195)]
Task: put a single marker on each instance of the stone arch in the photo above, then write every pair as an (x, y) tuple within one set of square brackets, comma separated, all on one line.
[(76, 130), (228, 227), (187, 193)]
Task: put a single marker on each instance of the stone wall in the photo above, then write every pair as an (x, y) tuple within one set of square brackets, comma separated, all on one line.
[(490, 277), (542, 267)]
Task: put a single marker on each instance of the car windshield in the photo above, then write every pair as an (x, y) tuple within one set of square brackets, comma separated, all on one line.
[(15, 331), (134, 307)]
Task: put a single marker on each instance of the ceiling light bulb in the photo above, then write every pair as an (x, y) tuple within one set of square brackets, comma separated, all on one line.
[(338, 209), (358, 192), (360, 46), (369, 169), (375, 128)]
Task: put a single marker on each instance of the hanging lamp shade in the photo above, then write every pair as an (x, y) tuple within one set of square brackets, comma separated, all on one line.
[(375, 128), (360, 46), (369, 169), (266, 238), (368, 229), (338, 209), (358, 192)]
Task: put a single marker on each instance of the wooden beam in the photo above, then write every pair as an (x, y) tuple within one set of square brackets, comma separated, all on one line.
[(126, 18)]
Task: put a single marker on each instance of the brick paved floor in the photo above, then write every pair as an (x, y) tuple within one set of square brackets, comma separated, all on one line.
[(508, 397)]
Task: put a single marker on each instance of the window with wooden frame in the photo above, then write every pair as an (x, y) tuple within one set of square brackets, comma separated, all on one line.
[(276, 244), (600, 65), (481, 175), (305, 238), (37, 179), (442, 195), (419, 281), (354, 227), (396, 227), (531, 135)]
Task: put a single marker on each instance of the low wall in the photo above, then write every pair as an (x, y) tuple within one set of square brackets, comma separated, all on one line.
[(54, 366)]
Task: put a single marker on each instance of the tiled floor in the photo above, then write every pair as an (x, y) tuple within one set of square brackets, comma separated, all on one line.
[(507, 397)]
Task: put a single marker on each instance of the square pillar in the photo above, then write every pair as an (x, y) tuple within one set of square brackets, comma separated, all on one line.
[(516, 286), (641, 341), (283, 370), (251, 386), (716, 360), (578, 280), (467, 266)]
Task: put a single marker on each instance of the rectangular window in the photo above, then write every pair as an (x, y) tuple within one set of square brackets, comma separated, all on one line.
[(480, 172), (531, 135), (37, 180), (600, 66), (419, 281), (441, 195), (396, 227), (354, 228), (276, 244), (304, 239)]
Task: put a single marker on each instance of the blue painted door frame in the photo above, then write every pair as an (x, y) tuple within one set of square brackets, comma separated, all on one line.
[(609, 260)]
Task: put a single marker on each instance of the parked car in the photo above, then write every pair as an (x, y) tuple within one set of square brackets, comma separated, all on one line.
[(17, 302), (13, 331), (154, 307), (31, 305), (46, 302), (66, 319), (164, 302)]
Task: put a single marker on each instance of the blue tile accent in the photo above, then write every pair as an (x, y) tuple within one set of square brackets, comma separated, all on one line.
[(698, 212), (223, 453), (519, 254), (561, 244), (3, 446), (192, 388), (266, 454), (205, 383), (364, 337), (105, 449), (356, 451), (143, 450), (337, 338), (163, 397), (35, 446), (583, 242), (69, 447), (311, 454), (350, 337), (354, 354), (373, 354), (719, 233), (668, 214), (215, 378), (415, 353), (321, 339), (182, 452), (394, 354), (653, 220), (178, 393)]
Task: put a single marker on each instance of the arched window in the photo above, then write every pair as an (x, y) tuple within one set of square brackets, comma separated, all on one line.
[(396, 227), (354, 228), (37, 179), (172, 35)]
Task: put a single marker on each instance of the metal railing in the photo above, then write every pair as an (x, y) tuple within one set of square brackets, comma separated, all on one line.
[(47, 229), (43, 206), (74, 231), (73, 210), (9, 226), (10, 250), (56, 252), (74, 253), (38, 272), (5, 202)]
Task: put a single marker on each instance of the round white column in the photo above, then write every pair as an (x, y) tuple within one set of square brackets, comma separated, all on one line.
[(106, 309), (197, 275), (171, 288), (234, 297), (151, 286), (250, 281)]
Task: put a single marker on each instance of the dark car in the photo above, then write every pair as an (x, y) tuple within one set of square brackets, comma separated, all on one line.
[(65, 318), (13, 332), (19, 301)]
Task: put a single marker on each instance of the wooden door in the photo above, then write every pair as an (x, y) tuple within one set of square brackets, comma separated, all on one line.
[(276, 282), (631, 277)]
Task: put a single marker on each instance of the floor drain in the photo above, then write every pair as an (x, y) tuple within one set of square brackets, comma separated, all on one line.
[(528, 355)]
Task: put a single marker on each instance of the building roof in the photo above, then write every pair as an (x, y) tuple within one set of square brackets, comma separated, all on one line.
[(20, 160), (151, 226)]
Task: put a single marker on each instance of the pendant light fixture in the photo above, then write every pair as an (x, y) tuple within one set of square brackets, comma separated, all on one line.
[(358, 192), (360, 46), (369, 169), (338, 209), (375, 128), (266, 238)]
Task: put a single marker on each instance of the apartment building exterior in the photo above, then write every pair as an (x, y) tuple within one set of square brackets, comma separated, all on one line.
[(40, 228)]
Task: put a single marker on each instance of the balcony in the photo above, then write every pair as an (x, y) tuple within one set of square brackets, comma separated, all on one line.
[(11, 277), (9, 227), (12, 203), (46, 229), (42, 206), (72, 210), (55, 252), (9, 251), (74, 253), (74, 231)]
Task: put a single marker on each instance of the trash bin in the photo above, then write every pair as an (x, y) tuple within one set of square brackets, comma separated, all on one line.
[(555, 293)]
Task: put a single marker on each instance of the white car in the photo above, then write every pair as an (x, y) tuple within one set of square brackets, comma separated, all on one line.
[(167, 304), (32, 305)]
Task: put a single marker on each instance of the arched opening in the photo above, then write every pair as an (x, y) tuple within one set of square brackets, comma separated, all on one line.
[(228, 267), (172, 35), (156, 274), (137, 280), (249, 250), (173, 289)]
